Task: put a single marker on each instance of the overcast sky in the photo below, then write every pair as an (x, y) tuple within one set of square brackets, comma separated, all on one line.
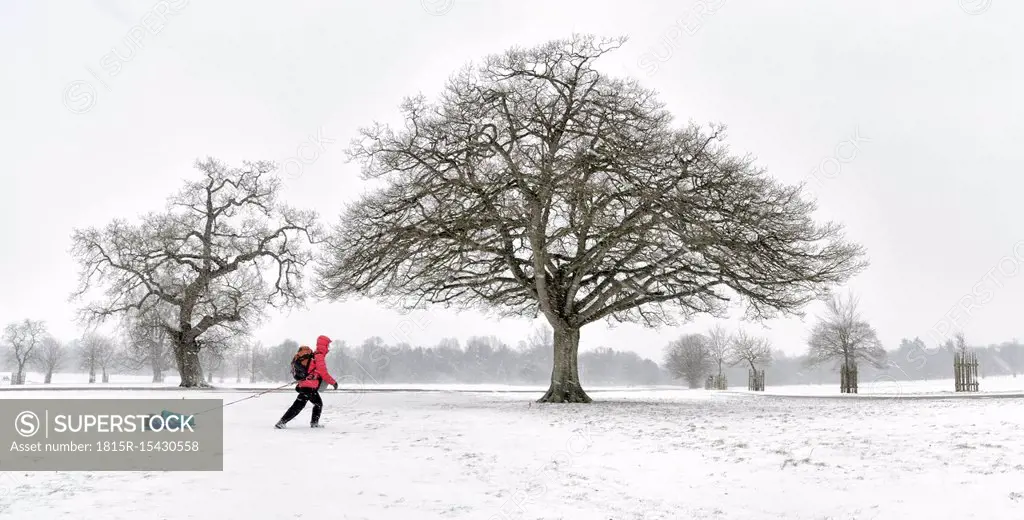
[(909, 111)]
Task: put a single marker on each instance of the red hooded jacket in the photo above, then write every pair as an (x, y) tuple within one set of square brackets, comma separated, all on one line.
[(318, 370)]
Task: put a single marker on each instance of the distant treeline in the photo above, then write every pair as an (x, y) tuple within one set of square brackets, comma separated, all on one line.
[(489, 360), (480, 360)]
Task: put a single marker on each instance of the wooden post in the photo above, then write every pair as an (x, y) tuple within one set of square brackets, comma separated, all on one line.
[(956, 372)]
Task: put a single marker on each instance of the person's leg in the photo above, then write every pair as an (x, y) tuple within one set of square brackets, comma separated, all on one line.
[(296, 407), (318, 406)]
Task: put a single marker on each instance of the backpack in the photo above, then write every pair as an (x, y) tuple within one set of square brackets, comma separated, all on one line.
[(301, 363)]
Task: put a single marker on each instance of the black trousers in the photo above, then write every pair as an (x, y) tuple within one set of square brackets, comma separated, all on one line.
[(305, 394)]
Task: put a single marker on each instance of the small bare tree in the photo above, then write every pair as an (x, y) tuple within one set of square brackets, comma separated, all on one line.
[(689, 358), (97, 352), (217, 347), (148, 343), (109, 359), (22, 339), (960, 342), (224, 250), (52, 354), (718, 347), (241, 361), (750, 350), (258, 357), (843, 336)]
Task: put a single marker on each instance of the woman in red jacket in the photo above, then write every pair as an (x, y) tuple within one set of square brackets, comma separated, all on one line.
[(309, 388)]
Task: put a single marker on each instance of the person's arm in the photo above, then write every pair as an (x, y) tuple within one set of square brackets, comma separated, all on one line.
[(323, 373)]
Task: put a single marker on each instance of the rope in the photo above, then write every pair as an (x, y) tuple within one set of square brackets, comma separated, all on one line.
[(245, 398)]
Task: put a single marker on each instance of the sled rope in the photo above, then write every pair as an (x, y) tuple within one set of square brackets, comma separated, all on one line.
[(245, 398)]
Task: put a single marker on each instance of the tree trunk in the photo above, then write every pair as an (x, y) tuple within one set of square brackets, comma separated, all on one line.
[(19, 378), (187, 358), (106, 376), (49, 376), (158, 369), (92, 373), (565, 379)]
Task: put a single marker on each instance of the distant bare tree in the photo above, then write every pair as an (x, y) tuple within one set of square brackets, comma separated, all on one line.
[(750, 350), (149, 343), (52, 353), (224, 249), (218, 346), (22, 339), (259, 357), (689, 358), (242, 360), (960, 342), (718, 346), (540, 185), (843, 335), (97, 352), (109, 358)]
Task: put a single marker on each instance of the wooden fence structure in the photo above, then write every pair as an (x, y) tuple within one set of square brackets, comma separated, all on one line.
[(848, 378), (714, 382), (755, 380), (965, 371)]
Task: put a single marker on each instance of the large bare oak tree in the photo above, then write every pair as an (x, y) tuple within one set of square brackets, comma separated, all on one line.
[(536, 183), (223, 250)]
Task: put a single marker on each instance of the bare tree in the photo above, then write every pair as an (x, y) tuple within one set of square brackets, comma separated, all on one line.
[(718, 346), (97, 352), (538, 184), (22, 339), (108, 358), (242, 360), (689, 358), (960, 342), (224, 249), (258, 357), (750, 350), (52, 353), (218, 345), (148, 343), (843, 336)]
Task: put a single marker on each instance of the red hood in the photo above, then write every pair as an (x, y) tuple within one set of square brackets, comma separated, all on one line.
[(323, 344)]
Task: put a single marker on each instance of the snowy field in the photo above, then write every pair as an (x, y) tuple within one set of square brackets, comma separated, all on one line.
[(633, 454)]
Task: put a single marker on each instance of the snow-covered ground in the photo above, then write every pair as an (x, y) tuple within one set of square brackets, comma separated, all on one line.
[(633, 454)]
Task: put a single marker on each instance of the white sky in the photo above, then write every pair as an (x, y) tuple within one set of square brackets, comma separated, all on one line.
[(930, 92)]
